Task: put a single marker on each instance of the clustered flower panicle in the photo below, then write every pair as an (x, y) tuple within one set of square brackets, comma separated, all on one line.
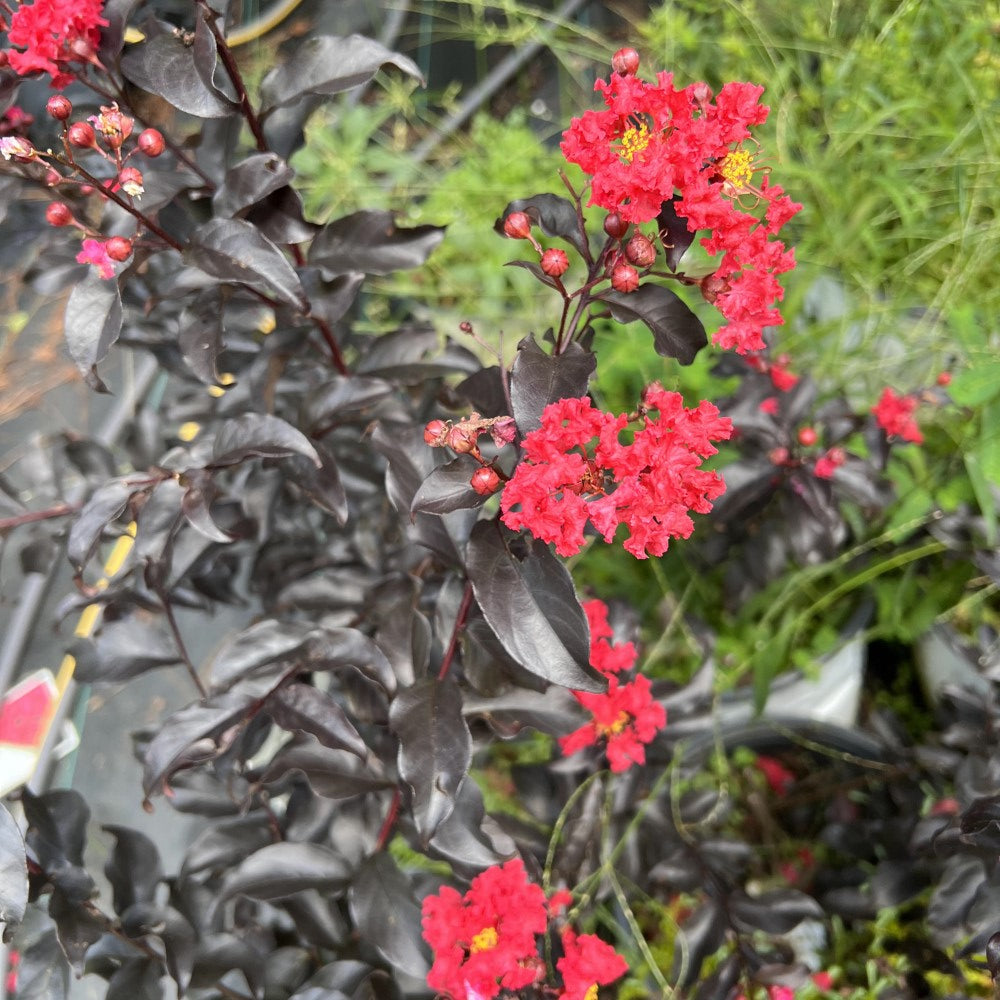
[(487, 940), (653, 144), (894, 414), (576, 469), (54, 34)]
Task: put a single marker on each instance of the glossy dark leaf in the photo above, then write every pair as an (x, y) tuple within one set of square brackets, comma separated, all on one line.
[(166, 66), (106, 504), (554, 215), (343, 396), (334, 774), (677, 332), (188, 736), (226, 843), (538, 379), (703, 933), (76, 926), (199, 335), (260, 435), (124, 649), (262, 643), (330, 300), (136, 979), (309, 710), (460, 839), (280, 217), (195, 506), (749, 482), (321, 484), (43, 972), (281, 870), (953, 896), (370, 241), (410, 461), (333, 648), (13, 874), (235, 250), (531, 606), (719, 985), (775, 912), (57, 827), (387, 916), (117, 13), (435, 748), (249, 182), (673, 232), (133, 868), (554, 711), (447, 488), (92, 324), (326, 64)]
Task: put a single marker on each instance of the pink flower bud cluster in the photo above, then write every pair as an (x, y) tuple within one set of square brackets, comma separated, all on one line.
[(576, 471), (463, 439)]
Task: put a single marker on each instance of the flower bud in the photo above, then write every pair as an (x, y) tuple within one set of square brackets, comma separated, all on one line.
[(58, 214), (118, 248), (59, 107), (807, 436), (701, 94), (624, 278), (778, 456), (712, 286), (625, 62), (81, 134), (615, 226), (130, 181), (640, 251), (517, 225), (943, 379), (53, 178), (485, 481), (460, 440), (555, 262), (434, 433), (151, 142)]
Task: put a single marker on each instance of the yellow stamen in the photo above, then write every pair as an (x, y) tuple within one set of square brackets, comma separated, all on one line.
[(634, 140), (487, 938), (591, 993), (737, 170), (614, 728)]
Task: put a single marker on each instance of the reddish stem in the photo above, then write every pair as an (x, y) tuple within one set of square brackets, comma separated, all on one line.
[(463, 611), (390, 821), (60, 510)]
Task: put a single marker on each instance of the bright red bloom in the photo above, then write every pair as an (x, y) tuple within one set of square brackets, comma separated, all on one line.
[(609, 658), (95, 252), (829, 462), (54, 33), (484, 941), (576, 469), (894, 415), (625, 716), (587, 962), (781, 377), (653, 141), (769, 405), (778, 777)]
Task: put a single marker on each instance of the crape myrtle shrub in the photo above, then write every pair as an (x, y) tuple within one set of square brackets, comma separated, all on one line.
[(393, 514)]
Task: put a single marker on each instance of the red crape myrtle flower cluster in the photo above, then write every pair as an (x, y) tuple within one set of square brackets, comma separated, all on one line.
[(54, 34), (576, 469), (654, 141), (487, 940), (625, 716), (894, 414)]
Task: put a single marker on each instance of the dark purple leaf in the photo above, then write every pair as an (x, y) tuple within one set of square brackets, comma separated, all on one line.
[(57, 827), (164, 65), (106, 504), (322, 485), (369, 241), (554, 711), (281, 870), (538, 379), (674, 233), (677, 332), (215, 955), (447, 488), (222, 845), (703, 933), (460, 839), (262, 643), (124, 649), (775, 912), (387, 916), (326, 64), (484, 390), (532, 607), (555, 216), (136, 979), (196, 508), (749, 482), (13, 874), (43, 972), (92, 324), (334, 774), (235, 250), (199, 335), (117, 13), (280, 217), (308, 710), (435, 748), (410, 461), (249, 182), (719, 985), (189, 735), (330, 300), (332, 648), (953, 896), (76, 927), (133, 868), (260, 435), (343, 395)]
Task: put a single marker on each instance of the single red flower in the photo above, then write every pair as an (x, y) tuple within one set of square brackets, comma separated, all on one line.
[(894, 414), (609, 658), (485, 941), (95, 252), (626, 717), (587, 962)]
